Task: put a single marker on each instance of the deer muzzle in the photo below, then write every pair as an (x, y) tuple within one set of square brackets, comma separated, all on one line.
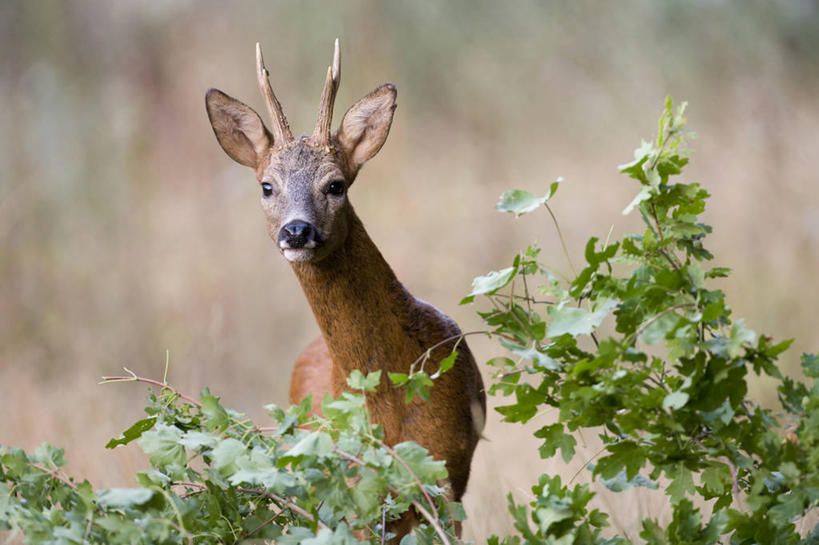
[(299, 235)]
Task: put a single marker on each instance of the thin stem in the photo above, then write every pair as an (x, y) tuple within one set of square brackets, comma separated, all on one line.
[(653, 319), (523, 324), (560, 236), (275, 497), (412, 474), (181, 528), (54, 473), (585, 464), (594, 338), (433, 522), (262, 525), (663, 251), (528, 299), (428, 352), (132, 377)]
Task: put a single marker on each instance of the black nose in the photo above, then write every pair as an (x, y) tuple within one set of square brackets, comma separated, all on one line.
[(297, 234)]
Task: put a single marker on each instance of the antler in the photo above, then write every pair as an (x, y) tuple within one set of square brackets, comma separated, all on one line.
[(281, 130), (321, 134)]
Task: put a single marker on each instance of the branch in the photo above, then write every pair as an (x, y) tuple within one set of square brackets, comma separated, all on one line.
[(275, 497), (132, 377), (433, 522), (412, 473), (428, 352), (55, 474), (560, 236)]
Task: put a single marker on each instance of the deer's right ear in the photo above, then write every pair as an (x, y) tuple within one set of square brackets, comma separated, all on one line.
[(238, 128)]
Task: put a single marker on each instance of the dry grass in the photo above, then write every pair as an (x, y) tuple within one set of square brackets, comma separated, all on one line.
[(126, 232)]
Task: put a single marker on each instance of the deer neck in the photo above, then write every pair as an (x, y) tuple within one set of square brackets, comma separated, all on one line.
[(360, 306)]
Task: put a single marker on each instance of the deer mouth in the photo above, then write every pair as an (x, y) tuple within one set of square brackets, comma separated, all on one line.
[(300, 255)]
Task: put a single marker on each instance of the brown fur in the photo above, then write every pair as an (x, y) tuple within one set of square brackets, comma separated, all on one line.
[(368, 320)]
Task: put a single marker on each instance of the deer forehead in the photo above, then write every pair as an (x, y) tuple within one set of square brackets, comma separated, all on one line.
[(303, 163)]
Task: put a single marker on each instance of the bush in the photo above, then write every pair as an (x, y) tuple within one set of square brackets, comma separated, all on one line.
[(666, 389)]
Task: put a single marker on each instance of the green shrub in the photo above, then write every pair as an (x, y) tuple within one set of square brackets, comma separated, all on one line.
[(636, 347)]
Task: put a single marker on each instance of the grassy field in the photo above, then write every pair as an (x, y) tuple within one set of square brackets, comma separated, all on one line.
[(126, 232)]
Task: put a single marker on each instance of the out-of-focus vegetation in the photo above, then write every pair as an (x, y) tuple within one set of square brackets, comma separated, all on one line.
[(125, 231)]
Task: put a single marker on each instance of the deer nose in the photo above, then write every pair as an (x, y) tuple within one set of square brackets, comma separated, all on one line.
[(298, 234)]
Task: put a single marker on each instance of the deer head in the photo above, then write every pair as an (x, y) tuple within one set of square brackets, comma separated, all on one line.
[(304, 181)]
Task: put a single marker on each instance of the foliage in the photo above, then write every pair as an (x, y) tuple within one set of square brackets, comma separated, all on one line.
[(216, 477), (640, 348)]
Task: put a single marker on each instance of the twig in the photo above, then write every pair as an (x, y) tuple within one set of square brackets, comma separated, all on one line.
[(181, 528), (412, 474), (529, 299), (653, 319), (275, 497), (383, 524), (662, 240), (585, 464), (428, 352), (432, 521), (351, 457), (132, 377), (560, 236), (55, 474), (262, 525)]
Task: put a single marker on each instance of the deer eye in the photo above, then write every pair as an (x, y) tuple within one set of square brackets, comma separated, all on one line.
[(267, 189), (336, 188)]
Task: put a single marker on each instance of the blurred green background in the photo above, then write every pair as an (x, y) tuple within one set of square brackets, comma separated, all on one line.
[(125, 231)]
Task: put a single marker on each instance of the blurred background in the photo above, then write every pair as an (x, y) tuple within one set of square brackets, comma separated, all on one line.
[(126, 232)]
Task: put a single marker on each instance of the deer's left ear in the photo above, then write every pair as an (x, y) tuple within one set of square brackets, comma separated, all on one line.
[(366, 125)]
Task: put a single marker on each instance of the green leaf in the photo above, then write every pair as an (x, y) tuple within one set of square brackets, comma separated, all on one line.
[(196, 440), (716, 479), (545, 517), (519, 202), (419, 384), (625, 455), (163, 444), (675, 400), (554, 437), (659, 328), (366, 494), (540, 359), (578, 321), (621, 482), (643, 195), (422, 465), (134, 432), (315, 444), (217, 417), (682, 483), (357, 381), (226, 453), (446, 364), (398, 379), (492, 282), (810, 365), (119, 498)]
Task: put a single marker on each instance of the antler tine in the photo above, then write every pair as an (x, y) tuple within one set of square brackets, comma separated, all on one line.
[(321, 134), (281, 130)]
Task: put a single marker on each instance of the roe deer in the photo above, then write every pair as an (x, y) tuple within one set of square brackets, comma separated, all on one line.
[(368, 320)]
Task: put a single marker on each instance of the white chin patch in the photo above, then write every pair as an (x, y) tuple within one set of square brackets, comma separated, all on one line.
[(297, 255)]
